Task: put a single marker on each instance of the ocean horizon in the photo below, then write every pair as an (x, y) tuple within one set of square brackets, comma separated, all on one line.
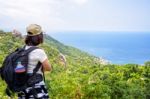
[(118, 48)]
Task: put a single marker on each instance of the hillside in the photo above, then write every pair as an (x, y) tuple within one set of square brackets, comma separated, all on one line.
[(68, 50), (72, 52), (83, 77)]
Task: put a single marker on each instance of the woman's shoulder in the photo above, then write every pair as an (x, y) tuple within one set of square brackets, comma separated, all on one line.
[(39, 54), (39, 50)]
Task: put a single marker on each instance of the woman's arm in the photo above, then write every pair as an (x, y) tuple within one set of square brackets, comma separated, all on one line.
[(46, 65)]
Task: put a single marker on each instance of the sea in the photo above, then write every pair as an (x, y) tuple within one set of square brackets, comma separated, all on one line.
[(116, 47)]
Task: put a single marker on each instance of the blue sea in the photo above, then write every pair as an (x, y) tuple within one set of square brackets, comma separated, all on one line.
[(116, 47)]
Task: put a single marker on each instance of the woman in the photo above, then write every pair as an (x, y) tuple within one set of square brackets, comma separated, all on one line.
[(34, 38)]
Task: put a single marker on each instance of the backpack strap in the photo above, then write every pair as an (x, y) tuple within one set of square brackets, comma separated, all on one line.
[(37, 68)]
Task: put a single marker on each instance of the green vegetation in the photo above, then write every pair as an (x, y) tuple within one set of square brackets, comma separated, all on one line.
[(84, 78)]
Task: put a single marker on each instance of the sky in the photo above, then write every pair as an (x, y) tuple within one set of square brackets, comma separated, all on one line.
[(76, 15)]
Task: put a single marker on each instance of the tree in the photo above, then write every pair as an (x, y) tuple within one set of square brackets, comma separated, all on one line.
[(1, 31), (147, 63)]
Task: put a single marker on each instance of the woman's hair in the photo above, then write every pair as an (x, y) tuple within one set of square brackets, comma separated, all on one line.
[(34, 40)]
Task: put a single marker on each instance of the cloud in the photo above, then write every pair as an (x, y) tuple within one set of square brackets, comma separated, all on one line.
[(70, 15), (23, 12), (48, 13), (79, 2)]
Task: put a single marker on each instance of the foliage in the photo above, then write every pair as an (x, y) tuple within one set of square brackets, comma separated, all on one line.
[(83, 78)]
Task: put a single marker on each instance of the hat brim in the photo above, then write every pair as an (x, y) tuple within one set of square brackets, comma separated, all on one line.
[(34, 34)]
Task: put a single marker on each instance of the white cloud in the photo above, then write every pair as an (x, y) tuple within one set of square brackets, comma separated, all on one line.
[(59, 15), (79, 2), (23, 12), (19, 13)]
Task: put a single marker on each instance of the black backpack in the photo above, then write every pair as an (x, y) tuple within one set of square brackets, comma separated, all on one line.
[(14, 69)]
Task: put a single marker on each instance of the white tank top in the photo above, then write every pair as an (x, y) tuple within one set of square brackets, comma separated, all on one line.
[(37, 55)]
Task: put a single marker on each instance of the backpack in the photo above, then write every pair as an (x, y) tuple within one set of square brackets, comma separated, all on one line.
[(14, 69)]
